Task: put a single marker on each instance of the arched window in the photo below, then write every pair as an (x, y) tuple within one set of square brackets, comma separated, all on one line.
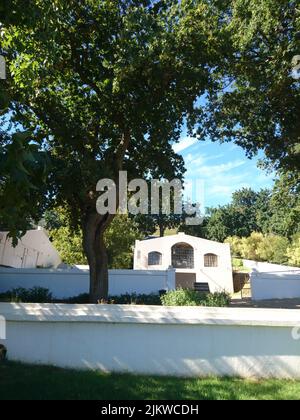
[(154, 258), (182, 256), (211, 260)]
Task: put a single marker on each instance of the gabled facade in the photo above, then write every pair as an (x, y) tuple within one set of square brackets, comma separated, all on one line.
[(198, 262), (34, 250)]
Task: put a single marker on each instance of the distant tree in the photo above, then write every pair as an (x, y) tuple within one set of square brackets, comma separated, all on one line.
[(293, 251), (259, 247), (68, 243), (241, 217), (269, 212), (120, 239), (285, 205), (274, 249)]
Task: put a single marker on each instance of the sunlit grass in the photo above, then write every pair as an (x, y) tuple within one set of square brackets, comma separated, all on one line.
[(18, 381)]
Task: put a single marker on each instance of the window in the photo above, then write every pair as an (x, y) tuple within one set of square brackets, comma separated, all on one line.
[(210, 260), (154, 258), (182, 256)]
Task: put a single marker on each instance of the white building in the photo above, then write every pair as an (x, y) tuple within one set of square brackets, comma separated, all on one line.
[(200, 264), (34, 250)]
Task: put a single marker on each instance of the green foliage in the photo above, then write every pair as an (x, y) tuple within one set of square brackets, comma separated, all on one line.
[(23, 177), (238, 265), (69, 245), (274, 249), (259, 247), (21, 295), (293, 251), (120, 238), (285, 205), (135, 299), (186, 297), (275, 212), (258, 104), (105, 86)]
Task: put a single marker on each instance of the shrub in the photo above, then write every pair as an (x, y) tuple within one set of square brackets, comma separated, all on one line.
[(80, 299), (135, 299), (238, 264), (186, 297), (259, 247), (293, 251), (21, 295)]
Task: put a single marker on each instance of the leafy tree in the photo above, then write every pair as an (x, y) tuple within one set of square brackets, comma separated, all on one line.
[(23, 177), (273, 249), (285, 205), (104, 86), (293, 251), (257, 105), (119, 239), (245, 214), (269, 212), (260, 247), (68, 243)]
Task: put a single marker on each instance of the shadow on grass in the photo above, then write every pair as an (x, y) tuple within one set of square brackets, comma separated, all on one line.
[(18, 381)]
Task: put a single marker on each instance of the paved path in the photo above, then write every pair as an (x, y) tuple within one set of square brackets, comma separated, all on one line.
[(278, 304)]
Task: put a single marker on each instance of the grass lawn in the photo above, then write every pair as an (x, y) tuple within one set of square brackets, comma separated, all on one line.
[(18, 381)]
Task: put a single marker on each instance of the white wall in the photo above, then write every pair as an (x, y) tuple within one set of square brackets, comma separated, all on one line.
[(75, 281), (273, 281), (34, 249), (191, 341), (219, 278), (264, 267), (279, 285)]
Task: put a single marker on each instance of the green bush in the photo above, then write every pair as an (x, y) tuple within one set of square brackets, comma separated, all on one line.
[(259, 247), (186, 297), (80, 299), (135, 299), (21, 295)]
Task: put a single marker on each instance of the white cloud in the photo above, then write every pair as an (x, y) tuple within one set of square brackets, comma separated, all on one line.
[(208, 171), (184, 144), (195, 160)]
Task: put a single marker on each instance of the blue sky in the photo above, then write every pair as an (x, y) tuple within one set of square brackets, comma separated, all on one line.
[(223, 168)]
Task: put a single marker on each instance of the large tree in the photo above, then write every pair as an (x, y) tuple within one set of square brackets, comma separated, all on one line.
[(104, 86)]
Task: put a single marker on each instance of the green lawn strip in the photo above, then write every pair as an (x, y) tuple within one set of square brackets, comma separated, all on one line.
[(19, 381)]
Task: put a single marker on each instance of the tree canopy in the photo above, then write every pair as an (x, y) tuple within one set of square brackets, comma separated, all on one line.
[(104, 86), (258, 100)]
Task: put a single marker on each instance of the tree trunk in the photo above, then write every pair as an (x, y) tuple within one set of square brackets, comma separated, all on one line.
[(161, 230), (93, 243), (94, 226)]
